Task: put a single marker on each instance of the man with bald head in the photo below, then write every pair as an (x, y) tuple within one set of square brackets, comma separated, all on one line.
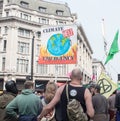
[(75, 91), (76, 74)]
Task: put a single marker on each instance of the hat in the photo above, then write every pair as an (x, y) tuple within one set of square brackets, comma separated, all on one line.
[(97, 87), (11, 87), (92, 85)]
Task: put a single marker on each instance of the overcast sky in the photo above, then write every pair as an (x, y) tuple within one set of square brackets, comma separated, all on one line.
[(90, 14)]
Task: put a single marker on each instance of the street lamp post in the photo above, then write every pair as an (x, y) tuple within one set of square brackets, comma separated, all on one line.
[(56, 72), (32, 57)]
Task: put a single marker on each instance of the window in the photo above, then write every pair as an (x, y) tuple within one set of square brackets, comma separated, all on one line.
[(24, 4), (27, 33), (25, 16), (23, 47), (1, 4), (22, 65), (7, 14), (83, 48), (43, 21), (0, 30), (4, 45), (38, 34), (41, 68), (60, 22), (80, 58), (20, 15), (3, 64), (29, 18), (59, 12), (24, 32), (94, 68), (8, 1), (38, 49), (61, 69), (6, 30), (42, 9)]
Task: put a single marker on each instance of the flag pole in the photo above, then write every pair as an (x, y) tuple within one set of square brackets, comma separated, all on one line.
[(105, 44), (104, 39)]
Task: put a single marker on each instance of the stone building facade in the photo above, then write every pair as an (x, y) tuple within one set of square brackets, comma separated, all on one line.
[(20, 23)]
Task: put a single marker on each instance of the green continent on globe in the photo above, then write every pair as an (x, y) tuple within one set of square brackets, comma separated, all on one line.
[(57, 45)]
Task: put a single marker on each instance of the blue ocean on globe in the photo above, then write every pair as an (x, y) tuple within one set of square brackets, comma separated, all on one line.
[(58, 45)]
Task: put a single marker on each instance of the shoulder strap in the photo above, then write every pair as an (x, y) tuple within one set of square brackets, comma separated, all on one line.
[(67, 93)]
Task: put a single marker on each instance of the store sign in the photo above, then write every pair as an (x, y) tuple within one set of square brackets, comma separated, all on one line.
[(40, 85)]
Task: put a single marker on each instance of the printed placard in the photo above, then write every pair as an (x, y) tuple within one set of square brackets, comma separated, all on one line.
[(58, 45)]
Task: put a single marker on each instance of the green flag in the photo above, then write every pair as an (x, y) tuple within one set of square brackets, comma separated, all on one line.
[(114, 48)]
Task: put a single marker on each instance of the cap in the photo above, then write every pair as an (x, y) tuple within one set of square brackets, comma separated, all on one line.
[(97, 87)]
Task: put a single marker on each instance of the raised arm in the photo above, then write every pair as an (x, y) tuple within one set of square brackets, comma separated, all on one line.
[(89, 105)]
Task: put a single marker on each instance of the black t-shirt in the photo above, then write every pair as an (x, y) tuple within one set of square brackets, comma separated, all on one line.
[(117, 101), (74, 93)]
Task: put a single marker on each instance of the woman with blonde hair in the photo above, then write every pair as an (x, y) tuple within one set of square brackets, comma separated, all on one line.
[(50, 91)]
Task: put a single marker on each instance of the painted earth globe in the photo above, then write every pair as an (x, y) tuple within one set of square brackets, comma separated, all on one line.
[(58, 45)]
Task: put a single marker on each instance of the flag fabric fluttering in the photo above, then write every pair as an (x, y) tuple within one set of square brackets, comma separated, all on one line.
[(108, 86), (114, 48), (93, 77)]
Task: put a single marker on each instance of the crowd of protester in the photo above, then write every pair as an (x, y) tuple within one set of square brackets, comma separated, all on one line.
[(51, 104)]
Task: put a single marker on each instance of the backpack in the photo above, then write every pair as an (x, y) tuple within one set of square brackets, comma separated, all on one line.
[(74, 109)]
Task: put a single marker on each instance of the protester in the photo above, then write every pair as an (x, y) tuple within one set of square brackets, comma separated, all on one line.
[(5, 98), (112, 109), (50, 91), (58, 110), (92, 88), (58, 106), (100, 105), (76, 91), (27, 104), (117, 105), (40, 94)]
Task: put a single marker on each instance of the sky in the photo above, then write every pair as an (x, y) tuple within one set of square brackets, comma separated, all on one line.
[(90, 14)]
